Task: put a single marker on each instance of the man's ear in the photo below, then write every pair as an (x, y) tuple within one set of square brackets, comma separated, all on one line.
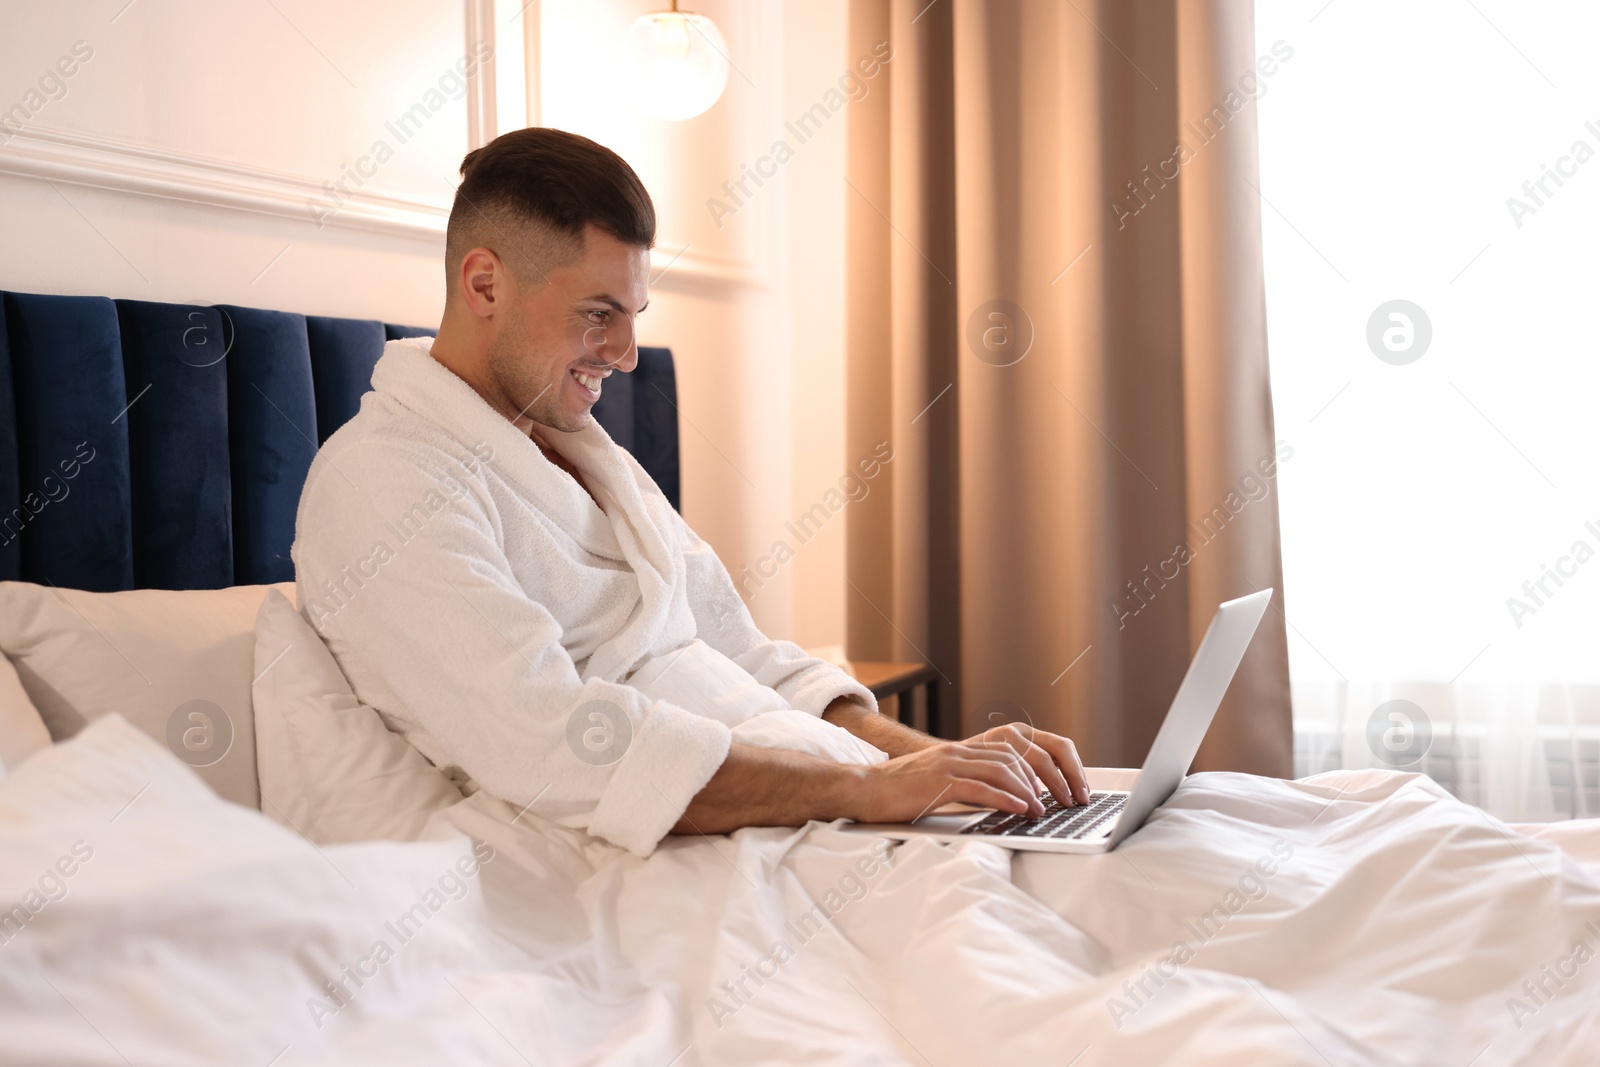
[(485, 283)]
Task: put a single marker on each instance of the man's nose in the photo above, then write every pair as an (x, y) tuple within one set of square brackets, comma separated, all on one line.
[(614, 346), (629, 357)]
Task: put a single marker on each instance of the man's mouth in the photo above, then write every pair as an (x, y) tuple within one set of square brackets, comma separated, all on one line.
[(590, 382)]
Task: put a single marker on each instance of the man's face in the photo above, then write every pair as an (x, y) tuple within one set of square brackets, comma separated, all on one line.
[(563, 338)]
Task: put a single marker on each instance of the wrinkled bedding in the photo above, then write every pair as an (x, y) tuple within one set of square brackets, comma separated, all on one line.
[(1352, 918)]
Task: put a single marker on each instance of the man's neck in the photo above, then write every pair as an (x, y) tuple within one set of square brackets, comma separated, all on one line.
[(536, 434), (446, 353)]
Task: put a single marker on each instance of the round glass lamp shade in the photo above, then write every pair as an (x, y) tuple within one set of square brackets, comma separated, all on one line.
[(679, 61)]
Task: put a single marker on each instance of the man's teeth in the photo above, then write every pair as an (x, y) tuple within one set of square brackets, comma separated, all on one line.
[(590, 383)]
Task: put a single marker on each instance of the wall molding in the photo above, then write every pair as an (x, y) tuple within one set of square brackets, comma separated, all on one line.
[(123, 166), (98, 162)]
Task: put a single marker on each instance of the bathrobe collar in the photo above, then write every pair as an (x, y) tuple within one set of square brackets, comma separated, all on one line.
[(637, 524)]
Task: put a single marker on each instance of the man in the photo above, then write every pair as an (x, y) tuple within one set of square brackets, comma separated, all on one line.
[(514, 594)]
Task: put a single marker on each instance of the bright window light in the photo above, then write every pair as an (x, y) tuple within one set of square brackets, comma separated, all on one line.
[(1430, 174)]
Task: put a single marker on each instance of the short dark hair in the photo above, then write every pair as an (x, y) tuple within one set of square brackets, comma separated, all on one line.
[(556, 181)]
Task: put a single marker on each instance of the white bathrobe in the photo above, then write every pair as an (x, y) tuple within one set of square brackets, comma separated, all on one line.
[(594, 664)]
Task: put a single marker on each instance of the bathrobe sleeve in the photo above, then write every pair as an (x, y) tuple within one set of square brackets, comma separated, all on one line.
[(723, 622), (423, 612)]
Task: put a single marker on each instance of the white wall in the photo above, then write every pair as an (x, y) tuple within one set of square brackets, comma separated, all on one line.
[(236, 116), (180, 160)]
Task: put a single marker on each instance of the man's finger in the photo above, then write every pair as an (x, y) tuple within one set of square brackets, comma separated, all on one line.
[(1012, 742), (1065, 755), (1061, 769), (1044, 765), (1002, 775), (997, 769), (981, 794)]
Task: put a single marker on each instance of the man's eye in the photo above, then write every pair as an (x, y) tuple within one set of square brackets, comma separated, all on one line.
[(599, 317)]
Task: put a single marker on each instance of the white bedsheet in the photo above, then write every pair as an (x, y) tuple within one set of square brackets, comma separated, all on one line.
[(1395, 926)]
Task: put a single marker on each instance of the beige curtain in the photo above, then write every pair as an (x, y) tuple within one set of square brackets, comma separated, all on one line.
[(1057, 322)]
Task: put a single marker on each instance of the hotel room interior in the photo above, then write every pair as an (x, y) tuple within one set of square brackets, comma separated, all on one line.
[(991, 345)]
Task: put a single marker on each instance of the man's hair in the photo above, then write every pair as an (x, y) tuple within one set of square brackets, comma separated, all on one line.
[(530, 193)]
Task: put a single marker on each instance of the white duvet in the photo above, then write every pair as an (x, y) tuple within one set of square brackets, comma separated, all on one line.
[(1355, 918)]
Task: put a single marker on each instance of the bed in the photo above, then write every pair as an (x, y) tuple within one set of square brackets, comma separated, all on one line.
[(210, 852)]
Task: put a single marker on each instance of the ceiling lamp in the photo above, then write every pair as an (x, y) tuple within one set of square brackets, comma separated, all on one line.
[(680, 61)]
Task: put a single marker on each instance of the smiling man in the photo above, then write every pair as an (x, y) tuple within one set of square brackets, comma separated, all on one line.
[(513, 594)]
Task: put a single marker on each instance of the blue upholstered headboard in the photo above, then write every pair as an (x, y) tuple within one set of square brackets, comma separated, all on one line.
[(163, 446)]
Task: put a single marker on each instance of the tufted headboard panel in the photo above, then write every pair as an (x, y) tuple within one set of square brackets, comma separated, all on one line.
[(163, 446)]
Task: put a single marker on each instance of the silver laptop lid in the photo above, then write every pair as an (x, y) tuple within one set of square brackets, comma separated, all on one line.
[(1201, 693)]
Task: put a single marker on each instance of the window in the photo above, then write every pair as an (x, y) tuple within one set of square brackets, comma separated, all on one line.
[(1430, 175)]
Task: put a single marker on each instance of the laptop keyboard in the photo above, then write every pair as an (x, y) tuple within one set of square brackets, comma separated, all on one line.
[(1056, 822)]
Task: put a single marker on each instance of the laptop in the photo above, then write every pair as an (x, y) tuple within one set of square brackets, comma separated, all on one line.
[(1109, 817)]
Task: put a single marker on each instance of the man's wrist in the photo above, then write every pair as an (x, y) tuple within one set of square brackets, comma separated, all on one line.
[(846, 798)]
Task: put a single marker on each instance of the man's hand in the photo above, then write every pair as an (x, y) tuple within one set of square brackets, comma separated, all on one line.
[(1046, 760), (1051, 758), (907, 787)]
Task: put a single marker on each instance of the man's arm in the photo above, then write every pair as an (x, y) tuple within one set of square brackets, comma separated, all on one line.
[(766, 793), (877, 729), (776, 787), (723, 621), (1052, 759)]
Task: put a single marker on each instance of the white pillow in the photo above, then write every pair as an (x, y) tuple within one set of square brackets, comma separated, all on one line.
[(176, 664), (329, 766), (22, 732)]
